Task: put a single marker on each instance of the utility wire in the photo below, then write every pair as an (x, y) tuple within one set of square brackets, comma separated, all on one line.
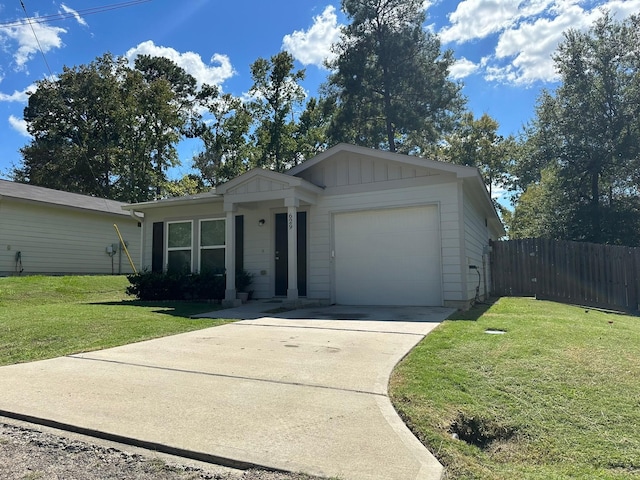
[(84, 154), (37, 41), (63, 16)]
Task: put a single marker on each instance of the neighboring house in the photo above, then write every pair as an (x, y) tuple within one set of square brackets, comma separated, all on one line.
[(44, 231), (351, 226)]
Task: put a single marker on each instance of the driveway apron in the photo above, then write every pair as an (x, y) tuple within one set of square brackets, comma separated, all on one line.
[(305, 391)]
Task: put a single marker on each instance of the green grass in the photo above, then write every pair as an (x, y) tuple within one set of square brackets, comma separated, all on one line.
[(557, 396), (44, 317)]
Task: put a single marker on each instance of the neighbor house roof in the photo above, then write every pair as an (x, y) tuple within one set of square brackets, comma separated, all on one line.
[(31, 193)]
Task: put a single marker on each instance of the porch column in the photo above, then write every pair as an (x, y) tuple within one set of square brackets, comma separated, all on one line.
[(230, 256), (292, 205)]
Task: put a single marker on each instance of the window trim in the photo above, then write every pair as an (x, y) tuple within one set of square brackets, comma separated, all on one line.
[(175, 249), (211, 247)]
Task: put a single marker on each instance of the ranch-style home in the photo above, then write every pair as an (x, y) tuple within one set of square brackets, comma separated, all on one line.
[(45, 231), (351, 226)]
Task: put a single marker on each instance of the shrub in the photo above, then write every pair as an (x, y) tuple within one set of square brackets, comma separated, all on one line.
[(176, 286)]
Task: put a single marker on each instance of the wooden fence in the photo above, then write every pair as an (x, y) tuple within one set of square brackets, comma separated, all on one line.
[(603, 276)]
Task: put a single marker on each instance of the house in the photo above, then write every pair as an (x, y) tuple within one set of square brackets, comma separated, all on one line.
[(351, 226), (45, 231)]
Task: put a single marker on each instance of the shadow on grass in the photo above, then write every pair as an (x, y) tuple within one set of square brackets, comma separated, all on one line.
[(174, 308), (475, 312)]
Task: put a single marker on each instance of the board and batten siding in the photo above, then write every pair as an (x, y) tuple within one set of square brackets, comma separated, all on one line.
[(443, 195), (62, 240)]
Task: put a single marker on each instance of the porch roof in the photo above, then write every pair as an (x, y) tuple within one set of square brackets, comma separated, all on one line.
[(260, 185)]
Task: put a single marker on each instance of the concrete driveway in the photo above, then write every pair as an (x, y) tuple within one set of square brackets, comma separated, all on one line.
[(302, 391)]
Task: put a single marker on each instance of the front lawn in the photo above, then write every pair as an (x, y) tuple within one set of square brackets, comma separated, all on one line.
[(44, 317), (556, 396)]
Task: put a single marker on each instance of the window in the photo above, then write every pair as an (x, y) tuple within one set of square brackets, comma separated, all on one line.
[(212, 245), (179, 246)]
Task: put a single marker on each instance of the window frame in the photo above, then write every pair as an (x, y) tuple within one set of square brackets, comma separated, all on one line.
[(212, 247), (176, 249)]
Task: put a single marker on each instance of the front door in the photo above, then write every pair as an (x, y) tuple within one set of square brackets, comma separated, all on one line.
[(282, 260)]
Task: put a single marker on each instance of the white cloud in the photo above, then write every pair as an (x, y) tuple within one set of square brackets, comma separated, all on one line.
[(48, 38), (216, 72), (17, 96), (313, 47), (479, 18), (463, 68), (75, 14), (19, 125), (527, 32)]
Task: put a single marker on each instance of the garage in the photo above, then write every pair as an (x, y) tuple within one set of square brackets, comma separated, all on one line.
[(388, 257)]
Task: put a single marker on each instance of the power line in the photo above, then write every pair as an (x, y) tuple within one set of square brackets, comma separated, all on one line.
[(84, 154), (65, 15), (37, 40)]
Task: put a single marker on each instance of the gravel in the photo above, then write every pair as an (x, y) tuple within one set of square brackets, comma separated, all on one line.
[(30, 453)]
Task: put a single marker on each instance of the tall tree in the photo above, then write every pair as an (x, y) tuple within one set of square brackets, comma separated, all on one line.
[(106, 129), (390, 79), (227, 151), (276, 92), (589, 131), (476, 143)]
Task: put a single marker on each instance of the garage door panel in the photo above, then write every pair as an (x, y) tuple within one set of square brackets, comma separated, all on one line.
[(388, 257)]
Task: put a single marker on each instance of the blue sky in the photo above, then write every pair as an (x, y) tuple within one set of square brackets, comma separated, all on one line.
[(503, 47)]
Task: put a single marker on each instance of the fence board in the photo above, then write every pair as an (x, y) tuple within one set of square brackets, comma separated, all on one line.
[(603, 276)]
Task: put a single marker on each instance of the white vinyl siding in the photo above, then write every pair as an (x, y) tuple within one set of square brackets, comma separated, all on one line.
[(444, 195), (64, 240), (476, 239), (169, 214)]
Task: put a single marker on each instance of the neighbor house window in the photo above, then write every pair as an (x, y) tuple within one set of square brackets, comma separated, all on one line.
[(179, 246), (212, 245)]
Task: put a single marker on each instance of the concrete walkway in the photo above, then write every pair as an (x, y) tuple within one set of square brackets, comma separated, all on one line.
[(302, 391)]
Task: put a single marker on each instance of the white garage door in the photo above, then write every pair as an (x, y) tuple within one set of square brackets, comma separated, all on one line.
[(388, 257)]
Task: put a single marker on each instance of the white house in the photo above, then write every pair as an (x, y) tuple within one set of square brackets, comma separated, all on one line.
[(45, 231), (351, 226)]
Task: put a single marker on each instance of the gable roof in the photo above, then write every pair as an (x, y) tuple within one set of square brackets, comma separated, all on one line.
[(460, 171), (32, 193), (471, 176)]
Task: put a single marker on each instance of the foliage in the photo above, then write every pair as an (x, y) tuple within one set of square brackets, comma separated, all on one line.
[(227, 151), (553, 397), (244, 279), (176, 286), (389, 80), (44, 317), (276, 92), (109, 130), (588, 134), (476, 143)]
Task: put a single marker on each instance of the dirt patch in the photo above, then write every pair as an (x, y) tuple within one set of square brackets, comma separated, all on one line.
[(27, 453), (481, 432)]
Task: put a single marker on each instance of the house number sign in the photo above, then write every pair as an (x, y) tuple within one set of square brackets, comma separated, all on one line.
[(290, 221)]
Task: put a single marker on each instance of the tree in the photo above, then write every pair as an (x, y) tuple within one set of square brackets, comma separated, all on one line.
[(311, 131), (108, 130), (390, 78), (476, 143), (589, 131), (276, 93), (227, 151)]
